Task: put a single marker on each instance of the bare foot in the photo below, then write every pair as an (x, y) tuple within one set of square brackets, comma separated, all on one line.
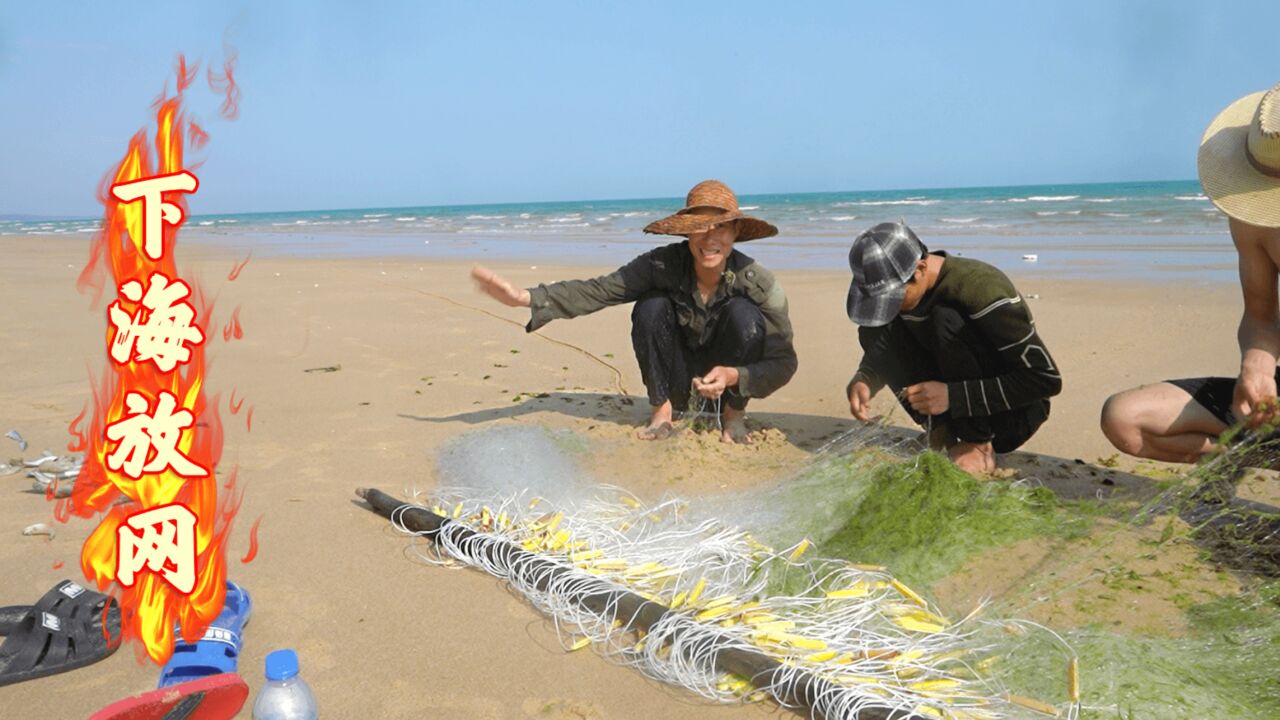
[(733, 424), (660, 426), (973, 458)]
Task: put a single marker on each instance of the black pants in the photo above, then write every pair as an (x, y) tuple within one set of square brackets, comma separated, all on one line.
[(947, 349), (668, 365)]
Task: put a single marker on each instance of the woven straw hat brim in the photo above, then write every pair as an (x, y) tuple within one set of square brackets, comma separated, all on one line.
[(1234, 185), (684, 223)]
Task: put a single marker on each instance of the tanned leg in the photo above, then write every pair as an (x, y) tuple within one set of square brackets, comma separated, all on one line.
[(1160, 422)]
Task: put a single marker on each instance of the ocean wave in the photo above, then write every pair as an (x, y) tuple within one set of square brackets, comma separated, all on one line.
[(1052, 198), (1046, 213), (1104, 200), (1118, 214), (959, 221), (205, 222), (974, 226), (1154, 220), (908, 201), (557, 227), (843, 218), (634, 213), (485, 217), (749, 207), (375, 215), (406, 219), (566, 219), (1188, 198)]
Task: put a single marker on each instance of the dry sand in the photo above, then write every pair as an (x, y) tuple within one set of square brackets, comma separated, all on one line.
[(424, 359)]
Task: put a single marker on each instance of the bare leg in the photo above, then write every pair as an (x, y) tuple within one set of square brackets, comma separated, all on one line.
[(734, 427), (1160, 422), (659, 427), (973, 458)]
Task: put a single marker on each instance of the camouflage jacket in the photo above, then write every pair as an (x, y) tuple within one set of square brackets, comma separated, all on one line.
[(669, 269)]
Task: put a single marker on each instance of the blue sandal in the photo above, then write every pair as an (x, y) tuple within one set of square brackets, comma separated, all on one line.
[(219, 649)]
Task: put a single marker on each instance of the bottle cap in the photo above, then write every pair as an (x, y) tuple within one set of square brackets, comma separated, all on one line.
[(282, 665)]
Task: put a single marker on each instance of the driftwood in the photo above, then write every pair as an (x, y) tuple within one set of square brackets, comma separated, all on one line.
[(802, 690)]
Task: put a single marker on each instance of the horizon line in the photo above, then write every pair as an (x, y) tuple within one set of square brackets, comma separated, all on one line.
[(28, 217)]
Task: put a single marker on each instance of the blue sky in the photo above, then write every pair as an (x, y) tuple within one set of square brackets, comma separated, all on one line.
[(428, 103)]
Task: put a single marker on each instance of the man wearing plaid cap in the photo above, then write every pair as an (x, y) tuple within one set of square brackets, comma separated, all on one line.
[(954, 341)]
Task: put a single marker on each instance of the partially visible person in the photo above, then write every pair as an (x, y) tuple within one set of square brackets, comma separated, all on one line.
[(706, 316), (1181, 420), (953, 339)]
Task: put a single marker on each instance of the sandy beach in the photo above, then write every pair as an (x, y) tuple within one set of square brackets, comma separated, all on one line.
[(424, 359)]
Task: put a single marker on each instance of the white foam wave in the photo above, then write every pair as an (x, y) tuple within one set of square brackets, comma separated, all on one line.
[(1102, 200), (1118, 214), (487, 217), (1197, 196), (959, 221), (844, 218), (908, 201), (749, 207), (205, 222), (406, 219), (1052, 198), (1046, 213)]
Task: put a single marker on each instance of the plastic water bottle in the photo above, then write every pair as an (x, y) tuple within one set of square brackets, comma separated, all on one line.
[(286, 696)]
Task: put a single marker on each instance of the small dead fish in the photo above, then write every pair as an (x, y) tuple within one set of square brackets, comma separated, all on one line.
[(14, 436), (39, 529), (41, 460), (68, 474), (7, 469), (42, 480)]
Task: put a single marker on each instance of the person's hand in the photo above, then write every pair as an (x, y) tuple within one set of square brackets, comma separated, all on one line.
[(1254, 398), (928, 398), (860, 401), (716, 381), (496, 287)]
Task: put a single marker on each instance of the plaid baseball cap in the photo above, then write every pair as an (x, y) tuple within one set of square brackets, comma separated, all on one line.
[(882, 259)]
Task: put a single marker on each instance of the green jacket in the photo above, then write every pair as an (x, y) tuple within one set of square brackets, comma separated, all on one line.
[(669, 269)]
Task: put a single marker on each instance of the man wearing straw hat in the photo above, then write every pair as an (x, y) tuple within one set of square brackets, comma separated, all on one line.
[(706, 316), (1180, 420), (954, 340)]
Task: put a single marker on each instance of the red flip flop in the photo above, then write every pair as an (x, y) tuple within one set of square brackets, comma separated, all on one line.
[(214, 697)]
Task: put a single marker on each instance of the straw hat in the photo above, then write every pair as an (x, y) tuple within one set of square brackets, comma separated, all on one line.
[(711, 203), (1240, 159)]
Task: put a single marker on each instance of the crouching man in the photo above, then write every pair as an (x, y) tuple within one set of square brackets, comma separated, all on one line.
[(953, 339)]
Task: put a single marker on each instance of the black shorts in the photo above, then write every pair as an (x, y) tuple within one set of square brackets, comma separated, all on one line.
[(1213, 394)]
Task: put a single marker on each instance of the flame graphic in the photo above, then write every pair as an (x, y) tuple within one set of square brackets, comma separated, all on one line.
[(151, 607)]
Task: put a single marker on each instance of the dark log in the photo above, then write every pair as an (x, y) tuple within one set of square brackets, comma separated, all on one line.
[(635, 612)]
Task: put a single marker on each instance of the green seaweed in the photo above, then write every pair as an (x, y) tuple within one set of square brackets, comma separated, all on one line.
[(924, 517), (1226, 667)]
